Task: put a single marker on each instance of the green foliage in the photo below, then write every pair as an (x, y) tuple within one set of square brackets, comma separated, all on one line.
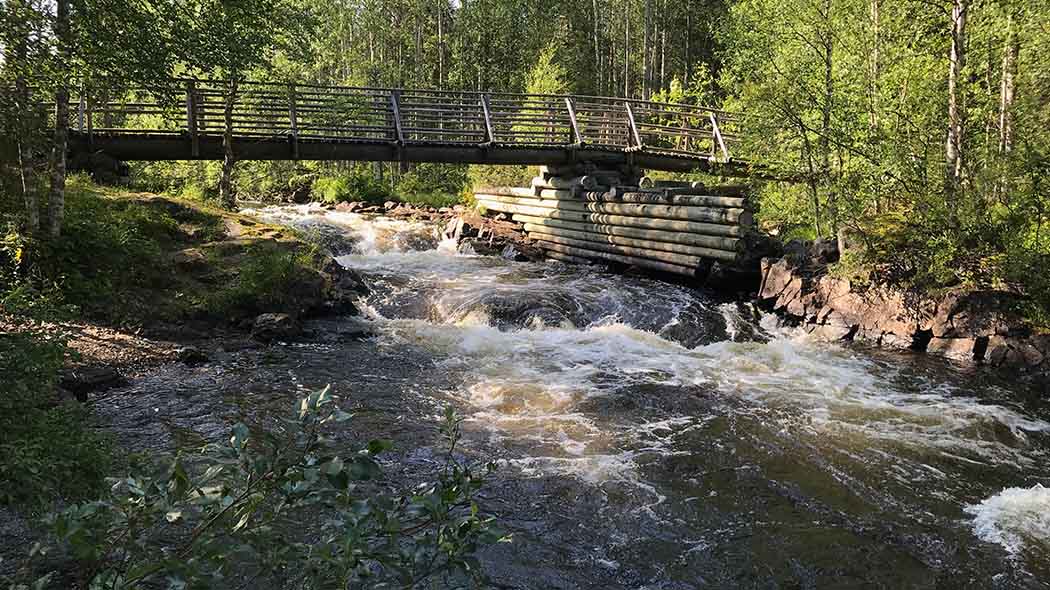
[(859, 109), (268, 278), (49, 448), (111, 249), (494, 176), (357, 185), (437, 185), (237, 518)]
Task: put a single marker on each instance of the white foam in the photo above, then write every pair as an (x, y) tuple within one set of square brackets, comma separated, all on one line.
[(829, 390), (1016, 518)]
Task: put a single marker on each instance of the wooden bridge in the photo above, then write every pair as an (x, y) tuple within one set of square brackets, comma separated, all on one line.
[(187, 119)]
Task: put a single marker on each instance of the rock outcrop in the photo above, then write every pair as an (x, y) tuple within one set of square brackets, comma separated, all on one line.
[(970, 325)]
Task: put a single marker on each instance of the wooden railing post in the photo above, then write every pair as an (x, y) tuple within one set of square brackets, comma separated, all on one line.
[(293, 120), (490, 135), (577, 139), (191, 118), (399, 131), (638, 145), (395, 108), (716, 137)]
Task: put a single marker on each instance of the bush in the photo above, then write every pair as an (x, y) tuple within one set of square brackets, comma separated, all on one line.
[(479, 176), (354, 186), (238, 521), (48, 448), (266, 280), (111, 249)]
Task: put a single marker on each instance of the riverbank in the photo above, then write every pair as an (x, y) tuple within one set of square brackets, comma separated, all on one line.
[(980, 326), (604, 393)]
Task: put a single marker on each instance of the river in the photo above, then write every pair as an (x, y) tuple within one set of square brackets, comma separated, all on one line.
[(650, 435)]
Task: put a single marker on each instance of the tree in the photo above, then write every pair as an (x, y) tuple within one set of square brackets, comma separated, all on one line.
[(230, 39), (956, 63)]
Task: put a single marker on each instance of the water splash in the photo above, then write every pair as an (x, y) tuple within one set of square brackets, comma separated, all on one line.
[(1016, 518)]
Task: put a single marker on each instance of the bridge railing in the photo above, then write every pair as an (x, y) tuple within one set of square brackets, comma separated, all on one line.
[(261, 111)]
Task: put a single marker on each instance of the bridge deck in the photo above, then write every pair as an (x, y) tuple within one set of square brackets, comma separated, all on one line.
[(186, 120)]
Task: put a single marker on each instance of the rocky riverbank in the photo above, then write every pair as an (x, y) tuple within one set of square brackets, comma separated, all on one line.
[(968, 325)]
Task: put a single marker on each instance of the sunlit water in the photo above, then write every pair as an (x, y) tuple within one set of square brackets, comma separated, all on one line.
[(652, 436)]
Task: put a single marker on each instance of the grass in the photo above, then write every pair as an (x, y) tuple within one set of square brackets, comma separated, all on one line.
[(132, 259)]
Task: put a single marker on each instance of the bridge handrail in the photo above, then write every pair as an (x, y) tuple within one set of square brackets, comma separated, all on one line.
[(316, 112)]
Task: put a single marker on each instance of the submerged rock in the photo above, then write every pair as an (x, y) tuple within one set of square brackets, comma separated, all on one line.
[(81, 381), (269, 327), (191, 355)]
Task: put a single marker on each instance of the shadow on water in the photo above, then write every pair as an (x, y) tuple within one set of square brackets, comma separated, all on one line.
[(649, 435)]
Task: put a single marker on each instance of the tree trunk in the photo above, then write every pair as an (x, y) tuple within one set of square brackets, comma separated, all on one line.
[(57, 197), (1011, 49), (24, 153), (956, 62), (226, 196), (875, 74), (1006, 91), (626, 49), (597, 49), (828, 42), (441, 45)]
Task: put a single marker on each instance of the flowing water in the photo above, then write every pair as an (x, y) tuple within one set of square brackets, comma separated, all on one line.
[(653, 436)]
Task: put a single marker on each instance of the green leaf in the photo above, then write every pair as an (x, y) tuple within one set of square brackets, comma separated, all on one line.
[(378, 446)]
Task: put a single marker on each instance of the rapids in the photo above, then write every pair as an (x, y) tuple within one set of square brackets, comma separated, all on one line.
[(654, 436)]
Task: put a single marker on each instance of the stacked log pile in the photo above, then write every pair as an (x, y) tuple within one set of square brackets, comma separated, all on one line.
[(608, 216)]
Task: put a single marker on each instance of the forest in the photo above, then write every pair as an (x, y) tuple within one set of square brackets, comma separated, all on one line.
[(915, 134), (913, 121), (918, 128)]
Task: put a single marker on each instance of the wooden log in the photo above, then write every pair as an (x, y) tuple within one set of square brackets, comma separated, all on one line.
[(504, 191), (709, 229), (671, 237), (536, 229), (568, 170), (587, 182), (621, 258), (659, 198), (658, 255), (567, 258), (554, 199)]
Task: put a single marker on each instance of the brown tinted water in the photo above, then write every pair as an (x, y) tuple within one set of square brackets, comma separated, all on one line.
[(649, 435)]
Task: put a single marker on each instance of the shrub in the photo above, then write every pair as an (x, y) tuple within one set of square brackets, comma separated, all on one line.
[(48, 448), (238, 520), (266, 280), (492, 176), (355, 186)]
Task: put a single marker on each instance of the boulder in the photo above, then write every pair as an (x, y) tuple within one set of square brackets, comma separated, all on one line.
[(824, 251), (350, 207), (81, 381), (269, 327), (776, 276), (974, 314), (956, 348), (191, 355)]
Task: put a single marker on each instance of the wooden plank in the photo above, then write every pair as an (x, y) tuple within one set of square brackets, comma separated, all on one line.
[(634, 128), (399, 135), (191, 118), (578, 252)]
